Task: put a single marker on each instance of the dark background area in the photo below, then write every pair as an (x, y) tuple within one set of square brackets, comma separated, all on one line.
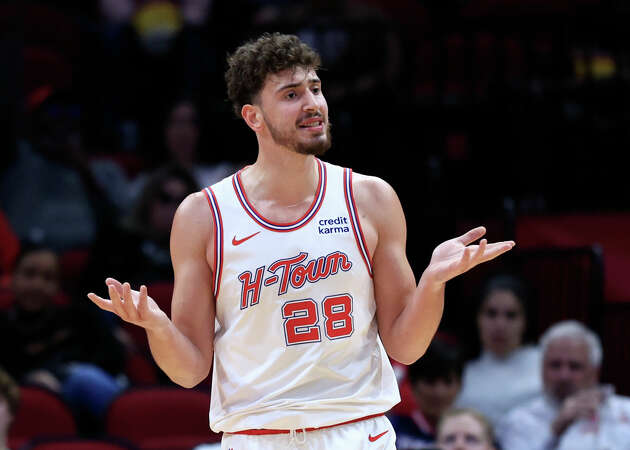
[(509, 114)]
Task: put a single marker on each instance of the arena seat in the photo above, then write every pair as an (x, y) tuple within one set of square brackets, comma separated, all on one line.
[(140, 370), (6, 298), (162, 293), (77, 443), (41, 413), (73, 264), (146, 416)]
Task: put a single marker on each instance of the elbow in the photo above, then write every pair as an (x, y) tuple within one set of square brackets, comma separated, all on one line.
[(405, 359), (190, 380), (405, 356)]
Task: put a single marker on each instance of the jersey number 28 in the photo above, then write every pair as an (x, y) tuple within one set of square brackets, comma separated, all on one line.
[(301, 319)]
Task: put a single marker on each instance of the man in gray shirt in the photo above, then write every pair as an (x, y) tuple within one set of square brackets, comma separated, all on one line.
[(575, 412)]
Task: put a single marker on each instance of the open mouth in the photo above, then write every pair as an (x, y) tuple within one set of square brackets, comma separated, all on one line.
[(314, 123)]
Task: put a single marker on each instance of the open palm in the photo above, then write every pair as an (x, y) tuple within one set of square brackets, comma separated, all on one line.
[(132, 306), (456, 256)]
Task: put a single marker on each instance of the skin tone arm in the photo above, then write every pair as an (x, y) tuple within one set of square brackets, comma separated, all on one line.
[(408, 315), (182, 347)]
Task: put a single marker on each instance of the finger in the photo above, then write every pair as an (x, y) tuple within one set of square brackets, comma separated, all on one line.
[(495, 249), (116, 301), (465, 259), (101, 302), (130, 308), (143, 302), (471, 236), (117, 284), (481, 249)]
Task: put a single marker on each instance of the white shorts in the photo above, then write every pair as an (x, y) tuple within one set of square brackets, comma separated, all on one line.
[(376, 433)]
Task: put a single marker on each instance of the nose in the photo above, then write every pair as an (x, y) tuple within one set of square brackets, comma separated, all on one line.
[(310, 103), (564, 373), (460, 444)]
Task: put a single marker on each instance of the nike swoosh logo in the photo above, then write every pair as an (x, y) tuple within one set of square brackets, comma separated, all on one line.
[(240, 241), (378, 436)]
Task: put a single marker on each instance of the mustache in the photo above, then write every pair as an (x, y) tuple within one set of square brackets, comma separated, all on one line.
[(310, 116)]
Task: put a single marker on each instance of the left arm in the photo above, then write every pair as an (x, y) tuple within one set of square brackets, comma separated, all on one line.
[(408, 315)]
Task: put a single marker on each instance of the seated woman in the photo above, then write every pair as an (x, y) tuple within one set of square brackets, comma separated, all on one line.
[(464, 429), (435, 380), (507, 372)]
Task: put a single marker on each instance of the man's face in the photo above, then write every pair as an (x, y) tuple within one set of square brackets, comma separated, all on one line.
[(567, 368), (436, 396), (36, 280), (295, 111)]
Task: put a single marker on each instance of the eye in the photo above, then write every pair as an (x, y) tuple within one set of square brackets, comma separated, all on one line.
[(575, 366), (316, 89), (511, 315), (472, 439), (291, 95)]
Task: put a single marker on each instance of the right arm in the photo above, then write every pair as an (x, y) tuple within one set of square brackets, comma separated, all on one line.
[(183, 345)]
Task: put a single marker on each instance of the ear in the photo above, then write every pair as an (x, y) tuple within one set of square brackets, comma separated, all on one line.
[(253, 117)]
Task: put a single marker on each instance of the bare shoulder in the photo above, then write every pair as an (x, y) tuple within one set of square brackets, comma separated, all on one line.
[(193, 216), (373, 194)]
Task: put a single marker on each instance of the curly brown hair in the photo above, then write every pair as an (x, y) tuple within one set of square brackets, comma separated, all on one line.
[(252, 62)]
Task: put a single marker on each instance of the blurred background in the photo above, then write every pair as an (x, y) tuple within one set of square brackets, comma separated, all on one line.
[(512, 114)]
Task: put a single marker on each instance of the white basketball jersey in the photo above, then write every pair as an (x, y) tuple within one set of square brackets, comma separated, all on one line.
[(296, 342)]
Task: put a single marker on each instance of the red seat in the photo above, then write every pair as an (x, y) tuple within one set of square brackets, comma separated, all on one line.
[(6, 298), (176, 442), (41, 413), (73, 263), (162, 293), (75, 443), (146, 416), (140, 370)]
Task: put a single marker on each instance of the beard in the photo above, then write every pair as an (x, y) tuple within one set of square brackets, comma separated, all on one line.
[(288, 140)]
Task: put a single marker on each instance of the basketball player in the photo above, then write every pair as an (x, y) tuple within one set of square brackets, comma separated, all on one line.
[(302, 265)]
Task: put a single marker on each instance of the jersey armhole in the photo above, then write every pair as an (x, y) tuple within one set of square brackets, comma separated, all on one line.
[(218, 240), (354, 220)]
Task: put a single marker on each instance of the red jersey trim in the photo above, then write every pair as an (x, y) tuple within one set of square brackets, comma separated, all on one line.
[(218, 240), (261, 431), (283, 227), (354, 219)]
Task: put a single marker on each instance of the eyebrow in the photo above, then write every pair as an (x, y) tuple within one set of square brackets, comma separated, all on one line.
[(314, 80)]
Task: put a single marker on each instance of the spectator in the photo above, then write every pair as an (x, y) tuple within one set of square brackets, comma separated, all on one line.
[(575, 412), (181, 139), (141, 53), (507, 372), (181, 134), (436, 380), (9, 401), (142, 239), (63, 348), (65, 199), (465, 429)]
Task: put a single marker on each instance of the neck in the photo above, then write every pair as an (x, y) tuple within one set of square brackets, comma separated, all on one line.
[(287, 177)]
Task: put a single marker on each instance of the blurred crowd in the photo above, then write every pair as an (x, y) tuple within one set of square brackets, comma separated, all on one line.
[(113, 111)]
